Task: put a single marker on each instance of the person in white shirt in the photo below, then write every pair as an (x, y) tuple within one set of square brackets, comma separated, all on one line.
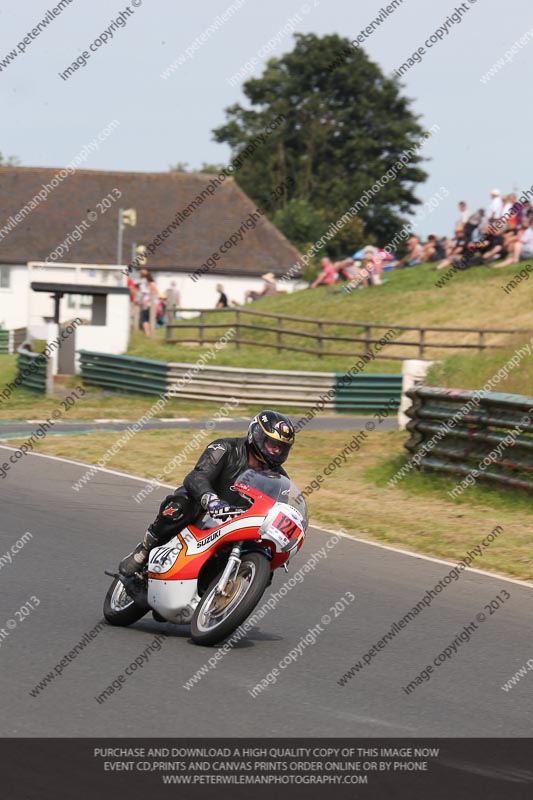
[(522, 248), (495, 210), (465, 213)]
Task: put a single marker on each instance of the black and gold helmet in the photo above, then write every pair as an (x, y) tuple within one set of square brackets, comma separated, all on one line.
[(270, 437)]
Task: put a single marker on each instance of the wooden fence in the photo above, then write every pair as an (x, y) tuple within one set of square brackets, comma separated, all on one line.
[(280, 332)]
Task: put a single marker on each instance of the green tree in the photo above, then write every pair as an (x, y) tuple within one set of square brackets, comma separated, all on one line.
[(345, 125), (210, 169), (9, 161), (300, 222)]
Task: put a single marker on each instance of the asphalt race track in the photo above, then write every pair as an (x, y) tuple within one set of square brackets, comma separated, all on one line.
[(19, 428), (76, 535)]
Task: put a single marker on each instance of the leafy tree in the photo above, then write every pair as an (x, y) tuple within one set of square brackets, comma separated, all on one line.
[(210, 169), (181, 166), (9, 161), (345, 125), (303, 225), (300, 222)]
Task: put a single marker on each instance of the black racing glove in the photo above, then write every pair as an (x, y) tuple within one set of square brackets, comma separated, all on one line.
[(215, 507)]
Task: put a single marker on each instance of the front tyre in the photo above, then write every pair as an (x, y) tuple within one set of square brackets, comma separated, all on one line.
[(119, 607), (216, 617)]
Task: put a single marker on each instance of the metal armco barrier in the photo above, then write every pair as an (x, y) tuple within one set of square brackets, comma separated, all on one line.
[(34, 372), (4, 342), (11, 341), (460, 446), (301, 389), (368, 392), (124, 373)]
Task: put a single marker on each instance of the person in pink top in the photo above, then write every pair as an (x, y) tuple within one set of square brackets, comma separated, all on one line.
[(327, 276)]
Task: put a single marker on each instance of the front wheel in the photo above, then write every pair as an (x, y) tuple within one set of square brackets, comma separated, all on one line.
[(215, 616), (119, 607)]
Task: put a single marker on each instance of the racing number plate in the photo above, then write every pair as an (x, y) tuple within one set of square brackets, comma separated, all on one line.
[(285, 526)]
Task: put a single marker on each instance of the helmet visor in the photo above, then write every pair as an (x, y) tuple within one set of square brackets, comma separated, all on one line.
[(276, 451)]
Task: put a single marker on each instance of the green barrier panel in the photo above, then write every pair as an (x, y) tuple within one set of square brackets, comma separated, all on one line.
[(124, 373), (4, 342), (367, 392), (31, 373)]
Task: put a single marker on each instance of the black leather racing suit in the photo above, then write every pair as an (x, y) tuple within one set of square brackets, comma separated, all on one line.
[(216, 470)]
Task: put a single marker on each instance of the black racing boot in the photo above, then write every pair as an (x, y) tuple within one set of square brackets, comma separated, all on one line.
[(135, 561)]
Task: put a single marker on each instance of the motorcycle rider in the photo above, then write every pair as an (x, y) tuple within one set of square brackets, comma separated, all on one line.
[(208, 487)]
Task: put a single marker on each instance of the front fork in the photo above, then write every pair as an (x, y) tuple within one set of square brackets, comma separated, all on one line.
[(234, 562)]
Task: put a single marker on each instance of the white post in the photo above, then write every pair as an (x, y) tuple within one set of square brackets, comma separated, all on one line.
[(119, 236), (413, 371), (52, 332)]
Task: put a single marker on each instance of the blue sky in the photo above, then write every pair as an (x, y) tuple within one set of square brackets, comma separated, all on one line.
[(484, 134)]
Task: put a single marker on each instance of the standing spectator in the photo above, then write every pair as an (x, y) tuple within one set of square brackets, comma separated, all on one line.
[(327, 276), (495, 209), (414, 255), (464, 213), (134, 288), (473, 222), (269, 288), (222, 301), (147, 295), (161, 312), (173, 301)]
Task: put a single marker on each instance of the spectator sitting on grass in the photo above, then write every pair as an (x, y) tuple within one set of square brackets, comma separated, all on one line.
[(434, 250), (269, 288), (372, 265), (458, 248), (489, 248), (345, 270), (522, 247), (492, 244), (414, 255), (527, 212), (447, 245), (327, 276)]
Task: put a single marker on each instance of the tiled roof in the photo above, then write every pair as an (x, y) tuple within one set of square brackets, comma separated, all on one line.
[(157, 197)]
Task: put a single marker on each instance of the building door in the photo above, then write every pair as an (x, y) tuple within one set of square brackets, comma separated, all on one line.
[(66, 356)]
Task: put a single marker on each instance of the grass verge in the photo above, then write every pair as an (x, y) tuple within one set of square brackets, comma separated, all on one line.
[(416, 515)]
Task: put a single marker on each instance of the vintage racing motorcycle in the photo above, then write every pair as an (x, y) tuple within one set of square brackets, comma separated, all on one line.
[(212, 575)]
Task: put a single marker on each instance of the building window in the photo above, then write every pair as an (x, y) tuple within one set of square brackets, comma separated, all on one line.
[(5, 278), (86, 301)]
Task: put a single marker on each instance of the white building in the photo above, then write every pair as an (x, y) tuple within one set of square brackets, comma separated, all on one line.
[(65, 229)]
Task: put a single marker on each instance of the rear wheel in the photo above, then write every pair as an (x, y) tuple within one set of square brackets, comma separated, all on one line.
[(119, 607), (215, 616)]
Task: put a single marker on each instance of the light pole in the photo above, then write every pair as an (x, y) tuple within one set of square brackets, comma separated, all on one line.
[(126, 216)]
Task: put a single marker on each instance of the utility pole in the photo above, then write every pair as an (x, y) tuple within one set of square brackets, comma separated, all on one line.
[(126, 216)]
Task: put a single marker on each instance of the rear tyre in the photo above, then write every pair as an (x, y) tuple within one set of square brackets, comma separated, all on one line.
[(119, 607), (216, 617)]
